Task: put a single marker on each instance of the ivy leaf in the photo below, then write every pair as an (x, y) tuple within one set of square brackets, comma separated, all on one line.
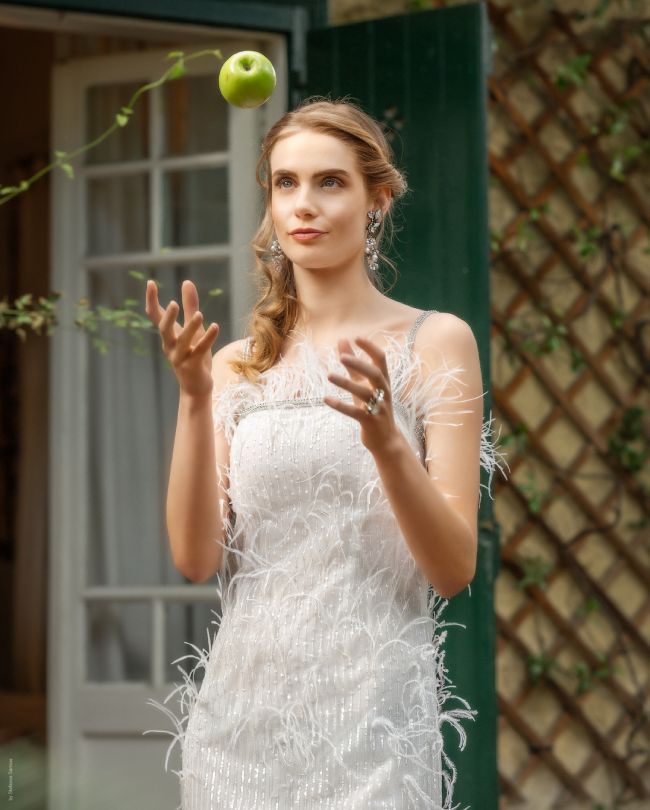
[(176, 71)]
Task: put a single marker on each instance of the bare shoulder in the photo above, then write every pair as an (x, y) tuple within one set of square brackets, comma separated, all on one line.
[(444, 333), (222, 373)]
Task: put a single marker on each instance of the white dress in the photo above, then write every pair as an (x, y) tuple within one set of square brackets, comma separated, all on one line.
[(325, 685)]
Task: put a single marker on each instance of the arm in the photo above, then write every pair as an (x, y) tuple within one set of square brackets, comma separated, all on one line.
[(437, 507), (197, 497)]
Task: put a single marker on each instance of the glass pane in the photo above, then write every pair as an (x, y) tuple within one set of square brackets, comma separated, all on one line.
[(133, 402), (195, 116), (118, 641), (103, 103), (118, 215), (185, 624), (195, 207)]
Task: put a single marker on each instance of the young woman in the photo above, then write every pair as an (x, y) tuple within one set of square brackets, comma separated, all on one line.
[(327, 470)]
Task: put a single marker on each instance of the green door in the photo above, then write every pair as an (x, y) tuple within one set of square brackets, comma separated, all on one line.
[(425, 75)]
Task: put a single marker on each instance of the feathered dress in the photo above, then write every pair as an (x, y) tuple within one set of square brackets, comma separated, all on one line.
[(325, 685)]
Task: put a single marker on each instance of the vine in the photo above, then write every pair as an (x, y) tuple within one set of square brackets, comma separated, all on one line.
[(39, 316)]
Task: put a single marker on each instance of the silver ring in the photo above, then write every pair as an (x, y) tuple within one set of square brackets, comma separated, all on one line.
[(373, 403)]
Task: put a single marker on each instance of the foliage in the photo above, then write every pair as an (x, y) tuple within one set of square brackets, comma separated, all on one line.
[(26, 314)]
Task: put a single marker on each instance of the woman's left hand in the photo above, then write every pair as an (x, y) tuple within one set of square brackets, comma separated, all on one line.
[(379, 433)]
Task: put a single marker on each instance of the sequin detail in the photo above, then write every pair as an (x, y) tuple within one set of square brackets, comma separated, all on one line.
[(325, 685)]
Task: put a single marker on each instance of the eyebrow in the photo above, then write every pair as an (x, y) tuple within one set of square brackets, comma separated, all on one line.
[(316, 174)]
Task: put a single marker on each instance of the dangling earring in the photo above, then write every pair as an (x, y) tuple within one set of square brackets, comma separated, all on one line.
[(278, 254), (371, 240)]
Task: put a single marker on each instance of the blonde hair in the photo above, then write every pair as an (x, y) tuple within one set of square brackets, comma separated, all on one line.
[(275, 312)]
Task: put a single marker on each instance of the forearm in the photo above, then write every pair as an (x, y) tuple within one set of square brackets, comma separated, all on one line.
[(193, 516), (438, 537)]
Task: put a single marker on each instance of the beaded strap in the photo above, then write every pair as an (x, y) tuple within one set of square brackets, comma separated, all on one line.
[(411, 336), (419, 425)]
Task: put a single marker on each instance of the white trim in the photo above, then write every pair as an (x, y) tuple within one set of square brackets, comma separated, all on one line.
[(207, 160)]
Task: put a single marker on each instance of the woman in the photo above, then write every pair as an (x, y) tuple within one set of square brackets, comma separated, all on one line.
[(344, 438)]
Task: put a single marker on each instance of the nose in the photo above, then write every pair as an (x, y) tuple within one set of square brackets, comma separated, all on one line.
[(303, 202)]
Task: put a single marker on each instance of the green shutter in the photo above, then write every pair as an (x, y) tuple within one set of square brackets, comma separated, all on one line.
[(428, 70)]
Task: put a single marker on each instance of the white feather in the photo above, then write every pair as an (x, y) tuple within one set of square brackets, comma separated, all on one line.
[(324, 611)]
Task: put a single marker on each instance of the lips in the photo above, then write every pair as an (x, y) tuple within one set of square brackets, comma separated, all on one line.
[(305, 230), (307, 236)]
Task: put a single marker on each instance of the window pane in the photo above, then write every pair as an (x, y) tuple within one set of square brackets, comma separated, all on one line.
[(118, 641), (131, 142), (195, 116), (195, 207), (132, 406), (118, 215)]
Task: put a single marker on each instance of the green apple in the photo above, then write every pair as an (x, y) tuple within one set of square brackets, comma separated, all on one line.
[(247, 79)]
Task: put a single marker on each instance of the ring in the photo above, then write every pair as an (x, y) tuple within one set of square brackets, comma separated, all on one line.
[(373, 403)]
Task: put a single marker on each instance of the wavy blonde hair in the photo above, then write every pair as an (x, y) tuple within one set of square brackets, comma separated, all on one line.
[(275, 313)]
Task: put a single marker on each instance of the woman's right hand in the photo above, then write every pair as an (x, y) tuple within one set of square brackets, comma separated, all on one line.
[(188, 347)]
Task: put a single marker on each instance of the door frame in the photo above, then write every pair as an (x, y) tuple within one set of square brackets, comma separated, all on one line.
[(73, 709)]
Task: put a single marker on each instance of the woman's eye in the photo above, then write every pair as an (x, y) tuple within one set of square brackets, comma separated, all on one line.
[(281, 180)]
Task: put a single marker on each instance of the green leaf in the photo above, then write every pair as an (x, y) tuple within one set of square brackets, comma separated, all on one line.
[(176, 71), (616, 169), (121, 119), (175, 54), (67, 168)]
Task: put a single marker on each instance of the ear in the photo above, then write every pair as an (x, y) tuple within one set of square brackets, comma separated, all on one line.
[(382, 200)]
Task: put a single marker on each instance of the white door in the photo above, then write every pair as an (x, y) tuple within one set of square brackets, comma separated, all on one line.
[(170, 196)]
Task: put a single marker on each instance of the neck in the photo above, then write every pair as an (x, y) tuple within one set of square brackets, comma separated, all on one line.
[(332, 303)]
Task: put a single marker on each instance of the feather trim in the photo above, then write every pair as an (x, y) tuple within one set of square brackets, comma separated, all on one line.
[(352, 607)]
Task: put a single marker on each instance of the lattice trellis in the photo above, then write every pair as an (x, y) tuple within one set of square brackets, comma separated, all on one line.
[(571, 330)]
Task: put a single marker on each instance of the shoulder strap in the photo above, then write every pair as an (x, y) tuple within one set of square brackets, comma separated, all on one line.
[(411, 336), (248, 347)]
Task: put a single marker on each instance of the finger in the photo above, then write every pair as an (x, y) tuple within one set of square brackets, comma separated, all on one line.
[(377, 354), (152, 307), (208, 338), (370, 371), (362, 392), (184, 342), (343, 407), (190, 298), (166, 325), (345, 347)]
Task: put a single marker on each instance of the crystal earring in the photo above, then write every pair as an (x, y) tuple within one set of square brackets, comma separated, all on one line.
[(277, 253), (371, 240)]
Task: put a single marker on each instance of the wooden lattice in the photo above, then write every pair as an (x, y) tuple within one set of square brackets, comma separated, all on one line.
[(571, 330)]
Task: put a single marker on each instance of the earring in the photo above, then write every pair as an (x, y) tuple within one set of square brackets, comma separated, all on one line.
[(371, 240), (278, 254)]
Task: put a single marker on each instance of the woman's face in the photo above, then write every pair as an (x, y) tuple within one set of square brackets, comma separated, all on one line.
[(317, 185)]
